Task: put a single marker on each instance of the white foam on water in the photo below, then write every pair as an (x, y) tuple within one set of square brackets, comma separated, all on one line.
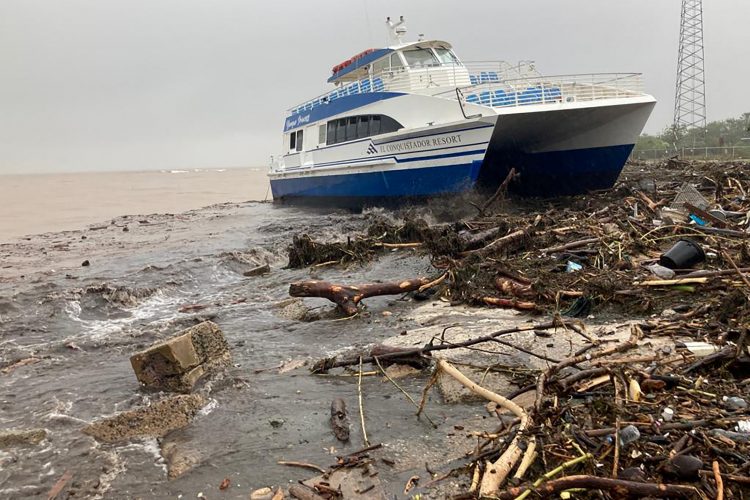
[(211, 406), (156, 305)]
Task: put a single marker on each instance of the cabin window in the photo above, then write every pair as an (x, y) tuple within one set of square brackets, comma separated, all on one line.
[(375, 125), (359, 127), (447, 56), (341, 130), (396, 63), (363, 126), (292, 141), (351, 129), (322, 134), (380, 66), (418, 58), (299, 140)]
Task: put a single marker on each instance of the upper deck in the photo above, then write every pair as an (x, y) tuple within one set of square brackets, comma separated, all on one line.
[(432, 68)]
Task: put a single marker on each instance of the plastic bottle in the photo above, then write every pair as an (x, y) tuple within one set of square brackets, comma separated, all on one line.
[(628, 435)]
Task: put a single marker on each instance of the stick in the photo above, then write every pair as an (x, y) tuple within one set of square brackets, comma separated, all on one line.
[(495, 474), (528, 459), (678, 281), (569, 246), (361, 406), (405, 394), (59, 485), (719, 482), (499, 243), (304, 465), (509, 303), (547, 475), (432, 283), (630, 488), (502, 188)]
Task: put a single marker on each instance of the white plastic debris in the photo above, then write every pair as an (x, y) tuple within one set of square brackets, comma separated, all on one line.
[(667, 414)]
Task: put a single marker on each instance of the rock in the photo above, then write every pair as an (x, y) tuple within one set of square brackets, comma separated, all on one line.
[(685, 467), (179, 459), (276, 422), (85, 263), (257, 271), (262, 494), (155, 420), (178, 363), (11, 438)]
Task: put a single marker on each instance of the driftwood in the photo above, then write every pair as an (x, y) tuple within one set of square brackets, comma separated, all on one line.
[(509, 303), (569, 246), (497, 472), (348, 296), (513, 287), (326, 364), (340, 420), (618, 486), (500, 243)]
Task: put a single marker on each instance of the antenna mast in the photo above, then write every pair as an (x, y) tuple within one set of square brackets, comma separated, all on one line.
[(690, 91)]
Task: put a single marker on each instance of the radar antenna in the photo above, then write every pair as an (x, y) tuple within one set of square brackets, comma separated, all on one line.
[(396, 31)]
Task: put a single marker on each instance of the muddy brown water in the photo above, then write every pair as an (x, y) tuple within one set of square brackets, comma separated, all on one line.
[(56, 310)]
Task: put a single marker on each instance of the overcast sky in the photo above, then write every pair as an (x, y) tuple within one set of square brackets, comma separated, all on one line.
[(152, 84)]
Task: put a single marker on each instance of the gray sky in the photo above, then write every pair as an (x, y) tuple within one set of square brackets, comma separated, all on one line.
[(150, 84)]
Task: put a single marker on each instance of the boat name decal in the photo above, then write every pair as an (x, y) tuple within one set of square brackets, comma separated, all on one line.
[(297, 121), (420, 143)]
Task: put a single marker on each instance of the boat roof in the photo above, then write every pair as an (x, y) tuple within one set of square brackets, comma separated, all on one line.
[(375, 54)]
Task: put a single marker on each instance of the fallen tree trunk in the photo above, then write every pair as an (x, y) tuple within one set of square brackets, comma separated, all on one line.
[(509, 303), (348, 296), (618, 486)]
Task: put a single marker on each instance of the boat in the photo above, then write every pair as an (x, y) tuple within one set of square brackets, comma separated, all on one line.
[(412, 120)]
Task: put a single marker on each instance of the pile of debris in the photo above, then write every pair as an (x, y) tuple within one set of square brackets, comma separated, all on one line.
[(636, 417)]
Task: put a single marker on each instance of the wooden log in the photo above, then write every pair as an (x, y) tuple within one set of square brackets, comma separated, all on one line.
[(509, 303), (618, 486), (510, 286), (339, 420), (348, 296)]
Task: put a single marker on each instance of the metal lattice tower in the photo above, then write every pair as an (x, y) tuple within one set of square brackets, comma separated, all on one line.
[(690, 92)]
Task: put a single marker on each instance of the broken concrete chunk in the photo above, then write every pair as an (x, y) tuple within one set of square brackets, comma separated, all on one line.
[(155, 420), (11, 438), (178, 363)]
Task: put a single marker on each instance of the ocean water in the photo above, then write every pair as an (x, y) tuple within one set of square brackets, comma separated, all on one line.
[(79, 335), (32, 204)]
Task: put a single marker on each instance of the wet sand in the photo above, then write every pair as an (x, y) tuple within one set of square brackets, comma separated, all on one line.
[(33, 204)]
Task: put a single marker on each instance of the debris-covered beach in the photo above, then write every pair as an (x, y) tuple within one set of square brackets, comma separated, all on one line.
[(495, 346)]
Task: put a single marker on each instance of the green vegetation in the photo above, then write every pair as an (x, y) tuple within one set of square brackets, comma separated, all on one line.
[(724, 133)]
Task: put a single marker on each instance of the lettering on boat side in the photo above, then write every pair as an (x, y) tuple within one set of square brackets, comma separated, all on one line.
[(420, 144), (297, 121)]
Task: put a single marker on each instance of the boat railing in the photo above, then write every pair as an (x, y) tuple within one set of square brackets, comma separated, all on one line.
[(489, 83), (546, 89)]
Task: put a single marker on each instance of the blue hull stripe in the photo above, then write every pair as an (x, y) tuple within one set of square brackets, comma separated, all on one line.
[(402, 160), (542, 174), (413, 182)]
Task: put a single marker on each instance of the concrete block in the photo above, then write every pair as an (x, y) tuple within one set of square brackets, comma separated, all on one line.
[(155, 420), (177, 364)]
